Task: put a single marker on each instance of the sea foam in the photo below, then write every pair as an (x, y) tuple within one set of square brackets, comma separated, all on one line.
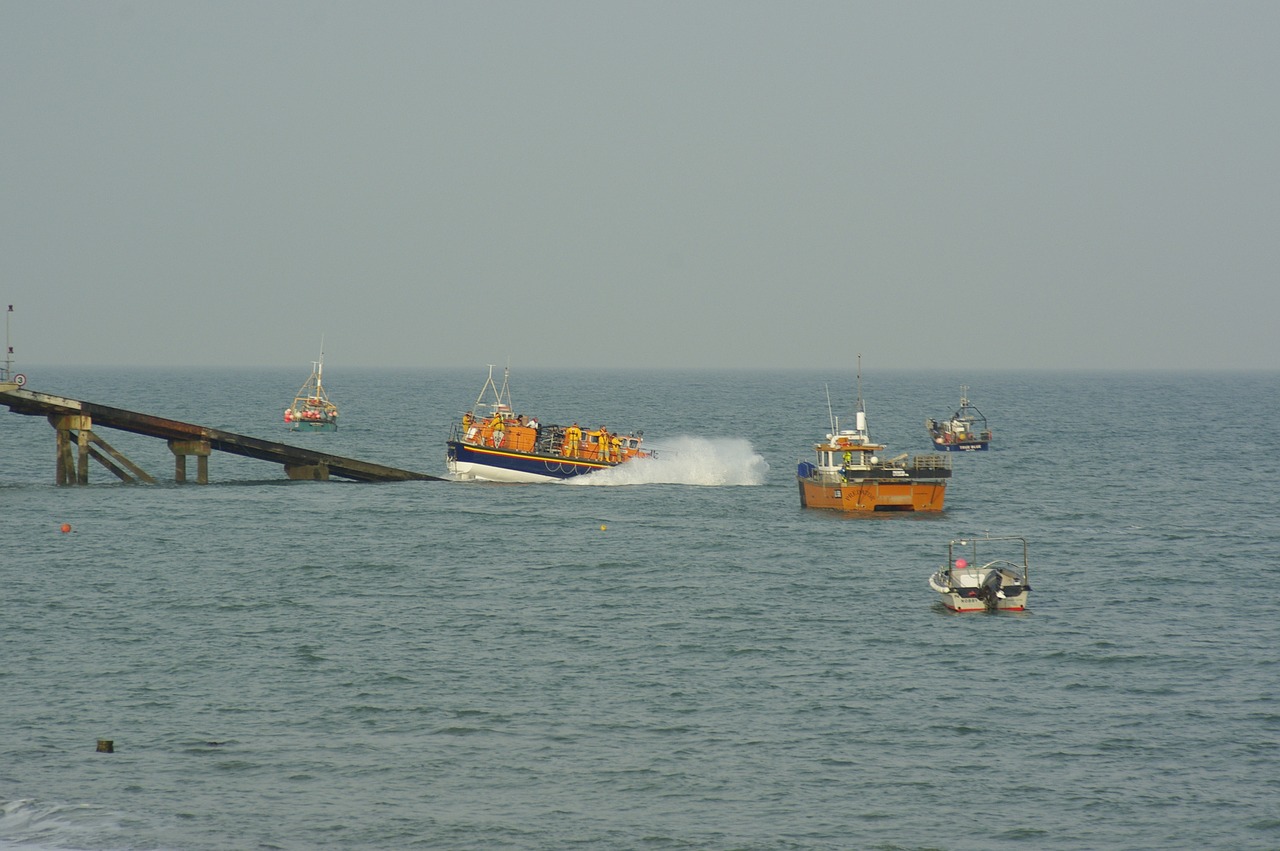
[(687, 460)]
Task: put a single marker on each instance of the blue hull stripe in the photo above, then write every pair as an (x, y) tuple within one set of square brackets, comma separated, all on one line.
[(523, 462)]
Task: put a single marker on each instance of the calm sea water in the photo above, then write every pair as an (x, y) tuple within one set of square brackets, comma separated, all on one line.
[(676, 659)]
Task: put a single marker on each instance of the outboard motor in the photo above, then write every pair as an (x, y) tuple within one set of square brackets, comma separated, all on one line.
[(990, 593)]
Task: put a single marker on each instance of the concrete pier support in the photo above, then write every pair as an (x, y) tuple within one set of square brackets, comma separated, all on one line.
[(181, 449)]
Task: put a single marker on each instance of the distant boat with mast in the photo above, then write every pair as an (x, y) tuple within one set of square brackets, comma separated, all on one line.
[(965, 430), (311, 409)]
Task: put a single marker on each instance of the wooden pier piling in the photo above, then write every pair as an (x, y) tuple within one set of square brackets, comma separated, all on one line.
[(72, 469)]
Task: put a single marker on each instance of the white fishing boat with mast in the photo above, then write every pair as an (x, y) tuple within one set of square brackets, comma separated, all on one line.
[(311, 409), (965, 430)]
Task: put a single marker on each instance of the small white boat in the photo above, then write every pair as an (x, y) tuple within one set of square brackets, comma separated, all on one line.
[(972, 581)]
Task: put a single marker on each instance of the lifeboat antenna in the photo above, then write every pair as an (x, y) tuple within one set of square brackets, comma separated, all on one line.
[(501, 398), (480, 402), (830, 413), (504, 396)]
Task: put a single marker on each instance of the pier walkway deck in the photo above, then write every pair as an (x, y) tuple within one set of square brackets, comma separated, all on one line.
[(74, 421)]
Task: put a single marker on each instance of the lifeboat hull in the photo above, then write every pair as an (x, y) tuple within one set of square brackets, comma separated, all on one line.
[(469, 461)]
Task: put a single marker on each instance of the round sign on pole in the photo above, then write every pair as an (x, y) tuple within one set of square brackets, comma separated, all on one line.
[(20, 379)]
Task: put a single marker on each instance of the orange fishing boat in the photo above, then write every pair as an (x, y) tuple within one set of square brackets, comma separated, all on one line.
[(849, 474)]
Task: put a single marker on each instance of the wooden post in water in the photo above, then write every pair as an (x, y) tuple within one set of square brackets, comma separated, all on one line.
[(181, 449), (106, 746), (72, 470), (61, 451), (82, 453)]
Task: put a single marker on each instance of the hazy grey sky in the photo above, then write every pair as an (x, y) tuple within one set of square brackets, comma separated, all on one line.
[(718, 184)]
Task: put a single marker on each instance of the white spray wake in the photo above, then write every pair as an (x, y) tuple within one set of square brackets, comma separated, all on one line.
[(714, 462)]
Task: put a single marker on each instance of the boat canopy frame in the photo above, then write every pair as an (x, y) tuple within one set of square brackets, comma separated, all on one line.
[(962, 546)]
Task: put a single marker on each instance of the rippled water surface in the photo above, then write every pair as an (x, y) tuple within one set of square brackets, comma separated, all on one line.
[(677, 659)]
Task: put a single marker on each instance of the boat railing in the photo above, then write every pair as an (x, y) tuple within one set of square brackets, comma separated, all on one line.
[(931, 462)]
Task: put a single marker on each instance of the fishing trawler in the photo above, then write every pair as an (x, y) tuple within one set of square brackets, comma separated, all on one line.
[(964, 431), (972, 584), (311, 409), (849, 474), (493, 443)]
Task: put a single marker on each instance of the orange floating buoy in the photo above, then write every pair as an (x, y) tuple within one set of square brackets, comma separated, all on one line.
[(66, 527)]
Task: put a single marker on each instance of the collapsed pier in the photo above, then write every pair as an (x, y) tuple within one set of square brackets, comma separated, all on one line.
[(74, 422)]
